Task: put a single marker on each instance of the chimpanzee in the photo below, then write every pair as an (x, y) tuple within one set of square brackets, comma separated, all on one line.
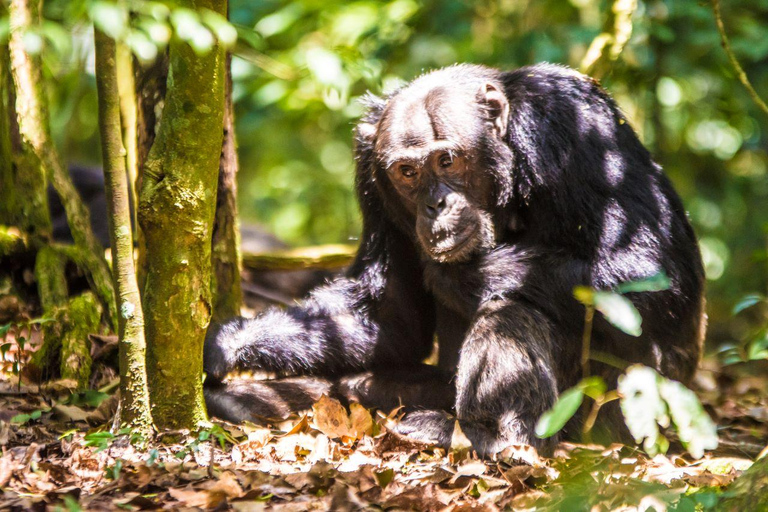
[(486, 197)]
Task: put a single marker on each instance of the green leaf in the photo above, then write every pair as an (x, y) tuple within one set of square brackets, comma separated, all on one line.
[(656, 283), (695, 428), (384, 477), (594, 387), (142, 47), (222, 29), (555, 419), (4, 329), (110, 18), (643, 407), (747, 302), (190, 29), (585, 295), (90, 397), (758, 348), (619, 311)]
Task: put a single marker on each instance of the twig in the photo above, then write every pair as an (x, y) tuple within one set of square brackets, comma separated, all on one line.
[(586, 340), (740, 74)]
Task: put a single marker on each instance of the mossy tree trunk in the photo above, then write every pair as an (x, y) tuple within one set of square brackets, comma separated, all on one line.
[(227, 261), (23, 199), (176, 209), (38, 153), (134, 392), (749, 491)]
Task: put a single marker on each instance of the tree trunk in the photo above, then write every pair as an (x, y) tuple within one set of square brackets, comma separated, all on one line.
[(749, 491), (177, 202), (134, 392), (227, 261), (39, 154), (23, 198)]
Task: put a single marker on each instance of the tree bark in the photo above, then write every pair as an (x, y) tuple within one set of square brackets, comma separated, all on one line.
[(177, 203), (40, 156), (227, 261), (749, 491), (23, 198), (134, 391)]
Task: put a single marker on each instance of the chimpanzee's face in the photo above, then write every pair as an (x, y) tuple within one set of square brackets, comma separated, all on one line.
[(430, 142)]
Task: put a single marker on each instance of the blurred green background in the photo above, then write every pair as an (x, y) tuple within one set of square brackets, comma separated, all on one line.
[(298, 80)]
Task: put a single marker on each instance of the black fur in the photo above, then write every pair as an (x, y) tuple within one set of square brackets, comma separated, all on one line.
[(570, 197)]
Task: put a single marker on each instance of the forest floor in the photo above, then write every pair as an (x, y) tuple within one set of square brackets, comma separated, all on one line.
[(58, 454)]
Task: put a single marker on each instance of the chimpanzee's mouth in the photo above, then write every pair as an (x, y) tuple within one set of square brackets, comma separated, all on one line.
[(456, 246)]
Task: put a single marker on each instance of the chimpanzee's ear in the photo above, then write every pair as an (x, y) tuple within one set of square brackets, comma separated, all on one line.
[(366, 129), (495, 101)]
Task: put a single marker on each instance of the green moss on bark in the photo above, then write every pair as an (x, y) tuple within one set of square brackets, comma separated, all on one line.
[(23, 198), (226, 258), (80, 318), (176, 210), (39, 158)]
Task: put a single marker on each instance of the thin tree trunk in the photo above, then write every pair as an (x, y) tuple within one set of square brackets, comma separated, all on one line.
[(227, 261), (39, 151), (23, 198), (126, 88), (134, 392), (176, 210)]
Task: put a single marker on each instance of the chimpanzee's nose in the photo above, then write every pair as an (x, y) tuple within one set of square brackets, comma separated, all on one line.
[(438, 201), (435, 208)]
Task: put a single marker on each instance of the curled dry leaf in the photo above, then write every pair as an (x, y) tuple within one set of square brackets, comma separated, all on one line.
[(331, 418), (361, 420)]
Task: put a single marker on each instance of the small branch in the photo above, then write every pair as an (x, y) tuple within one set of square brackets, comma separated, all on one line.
[(589, 423), (586, 340), (740, 74), (609, 44)]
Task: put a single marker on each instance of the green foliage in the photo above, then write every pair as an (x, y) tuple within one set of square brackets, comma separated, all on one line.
[(552, 421), (649, 400), (618, 310)]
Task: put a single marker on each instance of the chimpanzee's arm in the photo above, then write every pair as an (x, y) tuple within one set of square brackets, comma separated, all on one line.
[(379, 314)]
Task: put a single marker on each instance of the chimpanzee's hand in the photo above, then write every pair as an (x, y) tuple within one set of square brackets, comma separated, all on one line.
[(221, 349)]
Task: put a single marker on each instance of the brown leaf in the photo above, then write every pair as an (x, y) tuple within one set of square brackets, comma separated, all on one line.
[(361, 419), (227, 485), (193, 498), (331, 418)]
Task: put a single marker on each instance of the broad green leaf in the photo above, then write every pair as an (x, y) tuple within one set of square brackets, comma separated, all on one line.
[(695, 428), (555, 419), (223, 29), (280, 20), (190, 29), (619, 311), (157, 31), (4, 329), (141, 46), (747, 302), (594, 387), (655, 283), (642, 405), (58, 36), (758, 348), (110, 18)]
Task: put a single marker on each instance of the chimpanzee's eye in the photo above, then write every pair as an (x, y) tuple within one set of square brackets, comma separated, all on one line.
[(408, 171), (446, 160)]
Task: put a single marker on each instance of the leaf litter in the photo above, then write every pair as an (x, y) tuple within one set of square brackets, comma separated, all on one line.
[(57, 454)]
